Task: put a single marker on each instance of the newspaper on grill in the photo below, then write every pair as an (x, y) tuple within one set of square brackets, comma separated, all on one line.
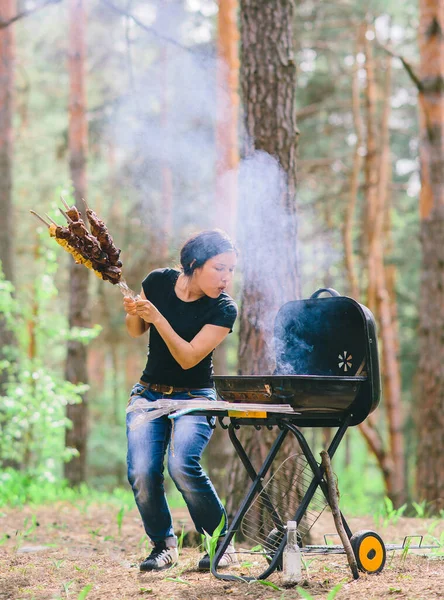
[(176, 408)]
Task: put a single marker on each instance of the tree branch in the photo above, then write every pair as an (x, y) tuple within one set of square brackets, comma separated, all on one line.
[(407, 66), (26, 13), (334, 505)]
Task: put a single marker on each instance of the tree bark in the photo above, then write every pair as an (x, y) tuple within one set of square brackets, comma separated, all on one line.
[(377, 177), (219, 454), (227, 94), (76, 362), (354, 177), (430, 472), (268, 229), (267, 206), (7, 54), (166, 223)]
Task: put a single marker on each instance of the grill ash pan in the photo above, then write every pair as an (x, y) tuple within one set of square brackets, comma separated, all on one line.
[(326, 363)]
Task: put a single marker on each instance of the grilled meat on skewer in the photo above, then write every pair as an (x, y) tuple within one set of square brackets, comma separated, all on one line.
[(100, 231), (85, 248), (86, 241), (71, 211), (110, 273)]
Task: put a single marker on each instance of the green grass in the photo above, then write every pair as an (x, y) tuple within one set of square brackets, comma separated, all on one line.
[(360, 482), (18, 489)]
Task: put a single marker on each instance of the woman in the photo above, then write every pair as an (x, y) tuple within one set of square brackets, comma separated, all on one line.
[(188, 314)]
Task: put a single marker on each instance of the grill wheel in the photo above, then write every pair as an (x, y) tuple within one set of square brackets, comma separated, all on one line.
[(369, 550)]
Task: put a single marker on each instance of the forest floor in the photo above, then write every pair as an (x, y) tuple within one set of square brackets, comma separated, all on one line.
[(86, 551)]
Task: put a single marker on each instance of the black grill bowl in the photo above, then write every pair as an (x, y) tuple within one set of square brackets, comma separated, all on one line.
[(326, 363)]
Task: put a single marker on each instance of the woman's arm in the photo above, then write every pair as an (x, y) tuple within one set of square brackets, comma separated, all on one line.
[(187, 354), (135, 325)]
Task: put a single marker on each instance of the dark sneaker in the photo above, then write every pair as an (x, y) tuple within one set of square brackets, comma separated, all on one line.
[(228, 559), (161, 558)]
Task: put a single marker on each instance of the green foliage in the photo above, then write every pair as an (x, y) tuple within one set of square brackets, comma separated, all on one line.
[(389, 515), (420, 508), (67, 585), (180, 541), (360, 482), (438, 552), (266, 584), (84, 592), (8, 308), (406, 550), (33, 419), (177, 580), (304, 594), (34, 399), (19, 488), (211, 541), (331, 595), (120, 519)]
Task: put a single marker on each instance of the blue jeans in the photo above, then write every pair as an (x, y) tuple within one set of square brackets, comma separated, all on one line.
[(185, 439)]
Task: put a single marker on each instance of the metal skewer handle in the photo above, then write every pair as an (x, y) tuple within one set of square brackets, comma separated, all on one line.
[(126, 291)]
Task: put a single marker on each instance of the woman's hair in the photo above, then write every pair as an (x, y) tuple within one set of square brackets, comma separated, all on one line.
[(202, 246)]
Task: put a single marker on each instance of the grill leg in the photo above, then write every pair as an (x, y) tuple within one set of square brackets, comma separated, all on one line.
[(318, 471), (256, 487), (316, 481)]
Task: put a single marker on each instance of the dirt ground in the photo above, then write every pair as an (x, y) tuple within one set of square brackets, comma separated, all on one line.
[(75, 552)]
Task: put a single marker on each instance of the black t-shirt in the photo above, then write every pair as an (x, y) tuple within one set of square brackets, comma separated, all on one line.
[(187, 319)]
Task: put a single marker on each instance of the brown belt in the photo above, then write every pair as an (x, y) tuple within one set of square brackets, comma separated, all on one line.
[(163, 389)]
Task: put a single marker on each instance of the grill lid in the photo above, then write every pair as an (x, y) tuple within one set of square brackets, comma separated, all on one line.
[(326, 362)]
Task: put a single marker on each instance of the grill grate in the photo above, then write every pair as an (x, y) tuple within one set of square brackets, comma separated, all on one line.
[(265, 521)]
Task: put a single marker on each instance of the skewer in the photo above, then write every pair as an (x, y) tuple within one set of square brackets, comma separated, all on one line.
[(64, 202), (52, 220), (66, 216), (85, 203), (39, 217)]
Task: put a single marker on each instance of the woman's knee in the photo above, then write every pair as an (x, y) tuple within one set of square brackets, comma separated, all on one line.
[(148, 472), (183, 470)]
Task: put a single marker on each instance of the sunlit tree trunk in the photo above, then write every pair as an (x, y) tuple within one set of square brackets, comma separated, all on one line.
[(166, 223), (268, 231), (267, 228), (430, 473), (354, 177), (76, 362), (227, 94), (219, 453), (7, 10), (390, 456)]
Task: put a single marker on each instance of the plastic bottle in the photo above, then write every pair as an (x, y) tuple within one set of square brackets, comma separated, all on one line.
[(292, 555)]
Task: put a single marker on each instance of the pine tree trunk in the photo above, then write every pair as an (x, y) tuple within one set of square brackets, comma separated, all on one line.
[(166, 174), (349, 258), (227, 94), (7, 51), (430, 473), (76, 362), (7, 10), (267, 228), (377, 176), (219, 453)]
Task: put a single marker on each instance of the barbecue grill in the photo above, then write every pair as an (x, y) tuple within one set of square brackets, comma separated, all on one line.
[(327, 370)]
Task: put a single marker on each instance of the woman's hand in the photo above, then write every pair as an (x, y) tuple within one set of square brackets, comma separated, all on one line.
[(147, 311), (135, 323), (130, 306)]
